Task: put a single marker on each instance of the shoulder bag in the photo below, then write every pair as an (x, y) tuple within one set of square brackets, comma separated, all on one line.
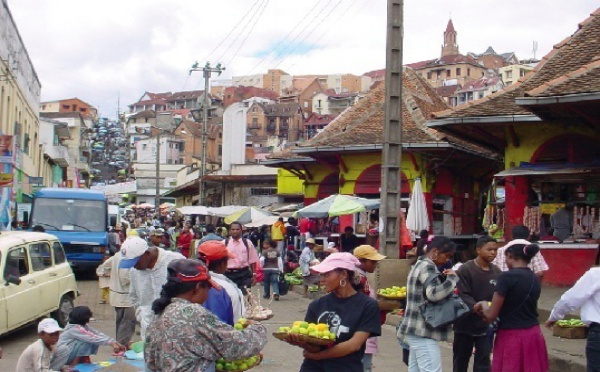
[(442, 313)]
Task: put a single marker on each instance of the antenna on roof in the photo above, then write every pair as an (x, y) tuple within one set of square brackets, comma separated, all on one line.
[(535, 47)]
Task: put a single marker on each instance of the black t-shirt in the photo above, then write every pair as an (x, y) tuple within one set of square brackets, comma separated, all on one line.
[(345, 317), (348, 243), (475, 285), (521, 290)]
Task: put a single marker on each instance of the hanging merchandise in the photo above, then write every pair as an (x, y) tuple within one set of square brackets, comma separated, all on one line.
[(531, 219)]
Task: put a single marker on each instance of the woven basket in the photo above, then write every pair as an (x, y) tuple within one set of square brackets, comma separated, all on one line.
[(390, 297), (283, 336)]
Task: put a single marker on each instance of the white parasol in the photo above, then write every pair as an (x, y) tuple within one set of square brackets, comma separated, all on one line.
[(417, 218)]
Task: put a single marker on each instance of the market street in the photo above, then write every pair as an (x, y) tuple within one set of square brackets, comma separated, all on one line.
[(565, 355)]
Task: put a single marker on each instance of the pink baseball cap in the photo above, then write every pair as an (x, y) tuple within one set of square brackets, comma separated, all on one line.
[(339, 260)]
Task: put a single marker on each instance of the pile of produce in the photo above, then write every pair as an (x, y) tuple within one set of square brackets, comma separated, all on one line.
[(570, 323), (293, 279), (239, 364), (392, 293), (312, 333)]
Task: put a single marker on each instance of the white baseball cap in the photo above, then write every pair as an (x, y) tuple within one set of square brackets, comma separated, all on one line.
[(132, 249), (48, 325)]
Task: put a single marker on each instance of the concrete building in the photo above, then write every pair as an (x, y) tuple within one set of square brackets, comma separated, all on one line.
[(53, 134), (478, 89), (494, 61), (78, 144), (511, 73), (451, 65), (70, 105)]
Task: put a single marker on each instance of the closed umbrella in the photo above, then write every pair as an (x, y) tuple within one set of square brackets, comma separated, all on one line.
[(247, 215), (337, 205), (417, 218)]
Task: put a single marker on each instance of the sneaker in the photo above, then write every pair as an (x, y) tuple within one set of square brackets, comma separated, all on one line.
[(266, 297), (102, 302), (276, 297)]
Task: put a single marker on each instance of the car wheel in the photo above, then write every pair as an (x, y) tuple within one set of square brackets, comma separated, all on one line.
[(64, 308)]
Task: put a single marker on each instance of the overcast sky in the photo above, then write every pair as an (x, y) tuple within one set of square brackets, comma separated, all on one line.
[(96, 50)]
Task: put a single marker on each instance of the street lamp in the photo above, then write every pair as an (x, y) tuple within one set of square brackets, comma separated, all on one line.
[(197, 115)]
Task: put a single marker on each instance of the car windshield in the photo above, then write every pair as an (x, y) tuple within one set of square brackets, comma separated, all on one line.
[(69, 214)]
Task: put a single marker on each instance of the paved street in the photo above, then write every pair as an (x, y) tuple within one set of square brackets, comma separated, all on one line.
[(279, 356)]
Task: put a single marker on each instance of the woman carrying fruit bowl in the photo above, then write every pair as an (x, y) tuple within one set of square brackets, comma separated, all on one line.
[(185, 336), (349, 314)]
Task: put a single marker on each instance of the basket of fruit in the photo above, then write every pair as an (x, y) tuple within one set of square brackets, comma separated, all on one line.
[(392, 293), (238, 365), (311, 333), (571, 328)]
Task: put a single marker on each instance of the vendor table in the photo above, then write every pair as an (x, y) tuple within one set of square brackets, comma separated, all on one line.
[(567, 261)]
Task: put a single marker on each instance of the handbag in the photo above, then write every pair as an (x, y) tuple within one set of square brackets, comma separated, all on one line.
[(283, 285), (442, 313)]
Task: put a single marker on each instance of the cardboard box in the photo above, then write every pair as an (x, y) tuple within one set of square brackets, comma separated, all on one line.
[(569, 332)]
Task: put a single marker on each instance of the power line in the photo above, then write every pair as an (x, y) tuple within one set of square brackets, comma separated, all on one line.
[(305, 17), (310, 33), (331, 25), (241, 31), (223, 40), (248, 34)]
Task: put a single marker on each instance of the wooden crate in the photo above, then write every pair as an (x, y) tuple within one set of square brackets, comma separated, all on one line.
[(569, 332)]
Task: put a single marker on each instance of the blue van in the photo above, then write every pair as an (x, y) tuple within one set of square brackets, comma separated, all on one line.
[(79, 218)]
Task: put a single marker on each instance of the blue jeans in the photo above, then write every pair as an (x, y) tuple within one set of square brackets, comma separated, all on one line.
[(592, 348), (425, 355), (271, 277), (367, 362)]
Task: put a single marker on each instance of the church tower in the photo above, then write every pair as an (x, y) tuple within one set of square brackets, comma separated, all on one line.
[(450, 46)]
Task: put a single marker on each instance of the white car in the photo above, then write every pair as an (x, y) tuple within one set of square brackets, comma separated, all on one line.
[(37, 279)]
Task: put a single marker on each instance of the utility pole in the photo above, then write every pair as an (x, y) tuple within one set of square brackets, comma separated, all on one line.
[(157, 196), (391, 190), (206, 73)]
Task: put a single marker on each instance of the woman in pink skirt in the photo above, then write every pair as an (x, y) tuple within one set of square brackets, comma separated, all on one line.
[(519, 344)]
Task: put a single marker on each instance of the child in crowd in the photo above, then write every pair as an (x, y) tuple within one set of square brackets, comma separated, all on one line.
[(43, 354), (104, 280), (83, 340)]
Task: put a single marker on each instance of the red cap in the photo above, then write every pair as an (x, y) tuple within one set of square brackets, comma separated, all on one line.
[(190, 270), (213, 250)]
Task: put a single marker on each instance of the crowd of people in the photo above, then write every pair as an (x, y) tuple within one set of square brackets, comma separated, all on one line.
[(191, 289)]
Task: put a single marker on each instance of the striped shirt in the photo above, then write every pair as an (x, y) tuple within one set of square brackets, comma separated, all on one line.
[(413, 322)]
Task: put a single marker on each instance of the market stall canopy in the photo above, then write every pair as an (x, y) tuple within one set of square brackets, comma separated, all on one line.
[(527, 169), (417, 218), (337, 205), (226, 210), (194, 209), (265, 221), (248, 215)]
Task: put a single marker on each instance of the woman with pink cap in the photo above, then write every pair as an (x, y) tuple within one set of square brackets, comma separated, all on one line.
[(350, 314)]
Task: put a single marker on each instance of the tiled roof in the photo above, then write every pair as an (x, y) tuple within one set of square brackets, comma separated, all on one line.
[(571, 54), (179, 96), (376, 74), (144, 114), (316, 119), (363, 123), (447, 91), (480, 84), (450, 26), (444, 60), (584, 80)]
